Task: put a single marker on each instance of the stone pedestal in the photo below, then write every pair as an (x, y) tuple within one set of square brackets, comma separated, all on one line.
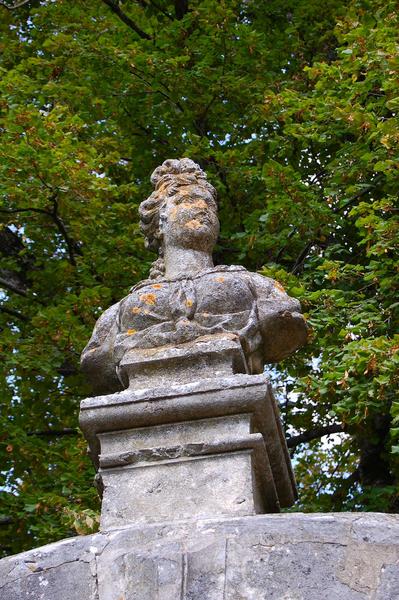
[(212, 447), (196, 432)]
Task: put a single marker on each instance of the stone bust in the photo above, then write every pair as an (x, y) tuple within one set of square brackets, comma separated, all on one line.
[(186, 297)]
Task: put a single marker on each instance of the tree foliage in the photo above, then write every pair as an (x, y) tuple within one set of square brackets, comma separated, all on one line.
[(294, 116)]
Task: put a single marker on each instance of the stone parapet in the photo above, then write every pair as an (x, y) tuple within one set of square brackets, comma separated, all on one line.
[(278, 557)]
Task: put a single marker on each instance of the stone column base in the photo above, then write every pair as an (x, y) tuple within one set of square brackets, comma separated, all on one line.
[(210, 448)]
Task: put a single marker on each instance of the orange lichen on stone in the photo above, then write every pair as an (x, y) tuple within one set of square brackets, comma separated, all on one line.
[(193, 224), (190, 204), (173, 213), (131, 331), (279, 286), (163, 188), (157, 286), (148, 299), (220, 279), (136, 310)]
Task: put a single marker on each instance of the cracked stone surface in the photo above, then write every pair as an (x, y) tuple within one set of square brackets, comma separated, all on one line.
[(279, 557)]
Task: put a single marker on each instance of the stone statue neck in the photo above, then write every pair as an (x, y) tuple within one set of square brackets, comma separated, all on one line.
[(185, 261)]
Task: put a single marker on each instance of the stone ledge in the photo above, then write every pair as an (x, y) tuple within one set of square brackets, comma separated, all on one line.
[(348, 556)]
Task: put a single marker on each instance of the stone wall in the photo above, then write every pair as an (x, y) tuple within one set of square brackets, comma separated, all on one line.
[(281, 557)]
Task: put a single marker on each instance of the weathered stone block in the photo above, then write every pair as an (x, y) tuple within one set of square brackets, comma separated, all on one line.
[(209, 448), (264, 557), (179, 489), (177, 434)]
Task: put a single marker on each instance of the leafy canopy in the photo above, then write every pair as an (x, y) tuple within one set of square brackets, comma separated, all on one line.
[(294, 116)]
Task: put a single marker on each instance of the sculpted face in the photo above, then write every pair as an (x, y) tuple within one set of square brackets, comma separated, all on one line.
[(189, 219)]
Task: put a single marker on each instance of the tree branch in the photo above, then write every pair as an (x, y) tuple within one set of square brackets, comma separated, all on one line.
[(359, 194), (181, 8), (62, 229), (11, 211), (164, 12), (10, 242), (314, 434), (54, 432), (53, 214), (163, 94), (301, 258), (13, 313), (14, 6), (280, 252), (12, 283), (67, 368), (126, 19), (145, 4), (341, 493)]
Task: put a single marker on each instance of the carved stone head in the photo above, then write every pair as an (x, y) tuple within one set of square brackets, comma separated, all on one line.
[(182, 211)]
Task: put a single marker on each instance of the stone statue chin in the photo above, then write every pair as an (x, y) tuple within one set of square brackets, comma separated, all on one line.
[(187, 298)]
